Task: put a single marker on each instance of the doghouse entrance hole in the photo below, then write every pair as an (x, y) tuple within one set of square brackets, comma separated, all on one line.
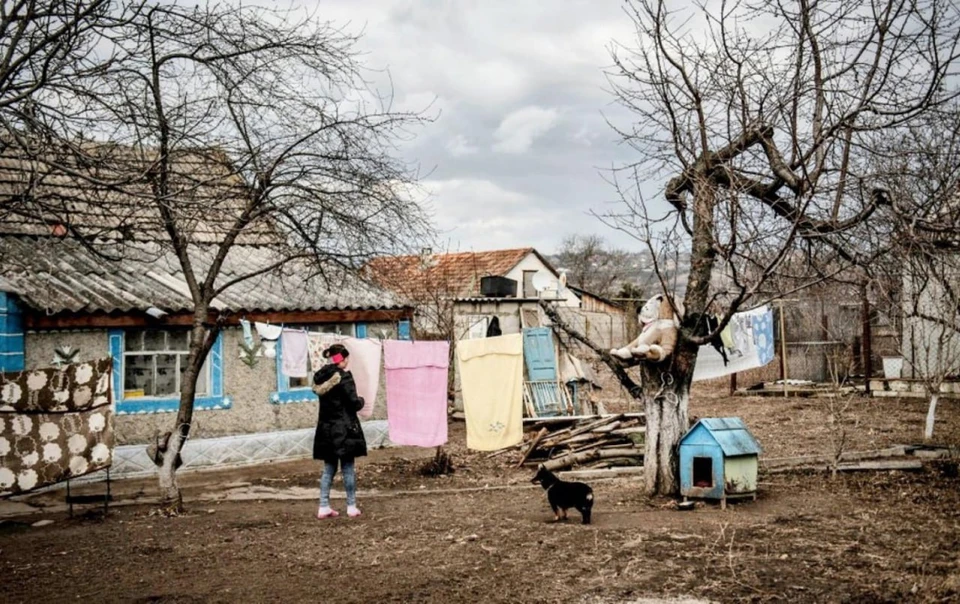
[(702, 472)]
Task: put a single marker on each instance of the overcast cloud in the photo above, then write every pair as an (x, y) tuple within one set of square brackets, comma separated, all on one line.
[(514, 157)]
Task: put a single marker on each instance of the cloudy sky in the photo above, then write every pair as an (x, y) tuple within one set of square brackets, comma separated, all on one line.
[(516, 155)]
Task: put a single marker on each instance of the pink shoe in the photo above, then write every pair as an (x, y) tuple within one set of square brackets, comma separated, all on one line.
[(326, 513), (353, 511)]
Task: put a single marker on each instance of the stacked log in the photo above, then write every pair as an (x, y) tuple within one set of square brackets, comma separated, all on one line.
[(592, 443)]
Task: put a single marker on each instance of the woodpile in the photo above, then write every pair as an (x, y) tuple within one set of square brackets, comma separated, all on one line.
[(589, 443)]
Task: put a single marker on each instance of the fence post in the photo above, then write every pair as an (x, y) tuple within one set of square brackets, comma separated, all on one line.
[(866, 344), (783, 350)]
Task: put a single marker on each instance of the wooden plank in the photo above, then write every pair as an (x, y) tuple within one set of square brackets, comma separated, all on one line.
[(860, 466), (585, 456), (897, 451), (892, 464), (605, 473), (39, 321), (533, 445), (570, 419)]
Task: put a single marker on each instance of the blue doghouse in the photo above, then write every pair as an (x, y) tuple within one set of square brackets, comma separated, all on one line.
[(719, 459)]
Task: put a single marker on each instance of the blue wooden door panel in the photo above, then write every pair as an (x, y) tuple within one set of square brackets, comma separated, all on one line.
[(538, 354), (687, 455)]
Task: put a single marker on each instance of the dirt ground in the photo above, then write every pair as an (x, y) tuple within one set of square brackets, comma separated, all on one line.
[(481, 534)]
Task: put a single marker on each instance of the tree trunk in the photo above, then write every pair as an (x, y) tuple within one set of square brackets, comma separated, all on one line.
[(168, 459), (170, 497), (665, 395), (931, 415)]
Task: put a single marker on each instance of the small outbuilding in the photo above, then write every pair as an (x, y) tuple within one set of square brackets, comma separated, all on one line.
[(719, 459)]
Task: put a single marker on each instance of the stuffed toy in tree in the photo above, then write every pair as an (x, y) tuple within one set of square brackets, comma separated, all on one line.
[(658, 332)]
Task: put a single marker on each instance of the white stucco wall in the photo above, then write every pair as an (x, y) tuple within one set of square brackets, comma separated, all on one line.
[(931, 348), (533, 263)]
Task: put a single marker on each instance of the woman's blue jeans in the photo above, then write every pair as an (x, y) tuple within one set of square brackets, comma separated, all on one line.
[(349, 481)]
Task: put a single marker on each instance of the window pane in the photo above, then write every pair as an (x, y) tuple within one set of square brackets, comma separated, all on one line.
[(166, 384), (133, 340), (177, 340), (154, 340), (203, 380), (138, 375), (300, 382)]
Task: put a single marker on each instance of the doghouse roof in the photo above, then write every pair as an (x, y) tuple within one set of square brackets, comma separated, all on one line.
[(729, 432)]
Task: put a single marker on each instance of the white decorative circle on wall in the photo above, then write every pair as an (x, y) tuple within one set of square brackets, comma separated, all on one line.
[(30, 459), (78, 465), (37, 380), (52, 452), (22, 425), (27, 480), (100, 453), (84, 373), (4, 446), (97, 422), (77, 443), (49, 431), (7, 478), (11, 392)]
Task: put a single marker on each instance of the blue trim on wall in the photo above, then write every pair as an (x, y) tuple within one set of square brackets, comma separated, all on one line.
[(12, 342), (283, 383), (140, 405), (294, 395), (403, 330), (361, 330)]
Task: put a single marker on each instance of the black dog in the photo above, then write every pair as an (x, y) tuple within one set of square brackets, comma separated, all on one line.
[(563, 495)]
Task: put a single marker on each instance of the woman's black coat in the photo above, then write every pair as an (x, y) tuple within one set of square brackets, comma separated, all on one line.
[(339, 434)]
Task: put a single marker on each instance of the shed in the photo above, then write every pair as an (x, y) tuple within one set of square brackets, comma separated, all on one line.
[(719, 459)]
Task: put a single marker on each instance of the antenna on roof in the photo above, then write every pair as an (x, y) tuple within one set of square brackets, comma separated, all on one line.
[(541, 281)]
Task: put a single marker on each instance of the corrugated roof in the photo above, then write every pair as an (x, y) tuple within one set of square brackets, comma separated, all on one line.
[(454, 275), (114, 199), (731, 434), (56, 275)]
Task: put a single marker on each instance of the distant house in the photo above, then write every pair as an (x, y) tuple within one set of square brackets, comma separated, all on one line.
[(436, 283), (128, 299), (451, 301)]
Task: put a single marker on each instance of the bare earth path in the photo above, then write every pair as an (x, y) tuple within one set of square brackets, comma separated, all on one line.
[(891, 536)]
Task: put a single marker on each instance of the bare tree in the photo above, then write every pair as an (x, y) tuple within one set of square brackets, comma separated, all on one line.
[(43, 45), (762, 115), (592, 265), (220, 125)]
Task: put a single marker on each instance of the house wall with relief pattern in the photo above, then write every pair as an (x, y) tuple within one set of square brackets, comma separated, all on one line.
[(249, 390)]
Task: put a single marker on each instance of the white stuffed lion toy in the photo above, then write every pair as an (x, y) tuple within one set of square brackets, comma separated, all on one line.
[(658, 332)]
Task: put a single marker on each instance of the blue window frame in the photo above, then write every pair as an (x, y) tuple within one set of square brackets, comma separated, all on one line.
[(403, 330), (214, 398), (300, 391), (11, 334)]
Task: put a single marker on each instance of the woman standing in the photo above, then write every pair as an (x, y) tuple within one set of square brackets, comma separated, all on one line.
[(339, 438)]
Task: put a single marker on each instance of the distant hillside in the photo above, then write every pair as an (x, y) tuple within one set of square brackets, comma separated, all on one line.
[(638, 272)]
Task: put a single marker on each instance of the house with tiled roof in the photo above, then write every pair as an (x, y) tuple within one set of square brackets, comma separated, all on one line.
[(444, 286), (120, 292)]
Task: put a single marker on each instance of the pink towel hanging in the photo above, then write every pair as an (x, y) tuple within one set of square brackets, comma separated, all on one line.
[(416, 374)]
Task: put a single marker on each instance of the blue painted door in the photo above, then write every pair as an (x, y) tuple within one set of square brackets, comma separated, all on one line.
[(538, 354), (541, 362)]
